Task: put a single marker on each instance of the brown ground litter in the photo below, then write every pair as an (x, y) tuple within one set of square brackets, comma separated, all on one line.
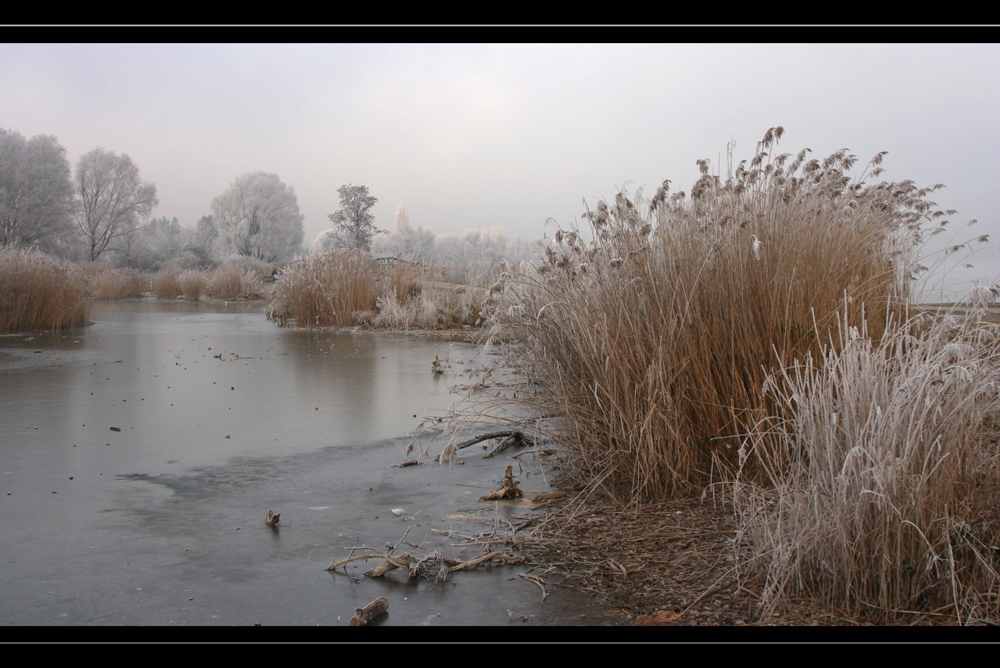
[(670, 563)]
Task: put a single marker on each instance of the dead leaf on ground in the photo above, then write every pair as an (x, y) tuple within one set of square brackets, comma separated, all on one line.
[(659, 617)]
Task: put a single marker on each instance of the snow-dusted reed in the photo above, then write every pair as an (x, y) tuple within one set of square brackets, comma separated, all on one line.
[(38, 292), (880, 494), (420, 312)]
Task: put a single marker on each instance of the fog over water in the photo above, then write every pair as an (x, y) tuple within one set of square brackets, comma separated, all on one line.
[(512, 134)]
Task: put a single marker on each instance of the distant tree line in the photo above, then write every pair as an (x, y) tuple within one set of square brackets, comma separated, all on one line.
[(101, 211)]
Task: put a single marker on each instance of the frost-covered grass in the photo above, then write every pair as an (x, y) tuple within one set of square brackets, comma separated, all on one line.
[(38, 292), (346, 287), (758, 335), (883, 490), (413, 297)]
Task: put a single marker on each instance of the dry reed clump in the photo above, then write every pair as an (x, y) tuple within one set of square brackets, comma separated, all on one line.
[(412, 298), (106, 282), (407, 299), (463, 305), (167, 285), (420, 312), (879, 495), (38, 292), (652, 341), (233, 279), (335, 288), (406, 280), (192, 284)]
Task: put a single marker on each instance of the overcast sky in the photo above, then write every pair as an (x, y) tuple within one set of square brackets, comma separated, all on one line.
[(508, 135)]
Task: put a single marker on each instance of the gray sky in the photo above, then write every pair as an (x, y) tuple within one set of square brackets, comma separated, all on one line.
[(508, 134)]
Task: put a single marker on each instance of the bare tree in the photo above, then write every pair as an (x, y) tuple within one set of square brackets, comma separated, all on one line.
[(113, 199), (354, 225), (258, 216), (36, 190)]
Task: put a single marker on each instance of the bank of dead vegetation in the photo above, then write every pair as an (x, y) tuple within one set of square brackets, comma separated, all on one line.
[(757, 338), (345, 287)]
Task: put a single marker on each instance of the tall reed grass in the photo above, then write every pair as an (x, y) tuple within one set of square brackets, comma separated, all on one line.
[(653, 340), (192, 283), (38, 292), (334, 288)]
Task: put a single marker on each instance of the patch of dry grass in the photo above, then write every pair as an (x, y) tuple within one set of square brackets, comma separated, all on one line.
[(167, 285), (232, 279), (757, 334), (38, 292), (108, 283), (192, 284)]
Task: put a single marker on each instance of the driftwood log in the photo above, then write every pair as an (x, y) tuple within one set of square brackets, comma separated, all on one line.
[(516, 437), (366, 614), (390, 564), (507, 436), (510, 490)]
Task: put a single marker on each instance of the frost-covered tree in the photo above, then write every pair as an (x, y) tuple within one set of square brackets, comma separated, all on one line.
[(402, 218), (353, 223), (113, 200), (258, 216), (36, 190), (409, 241), (323, 242), (205, 234), (201, 240)]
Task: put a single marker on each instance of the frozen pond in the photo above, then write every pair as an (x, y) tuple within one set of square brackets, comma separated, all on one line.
[(220, 416)]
